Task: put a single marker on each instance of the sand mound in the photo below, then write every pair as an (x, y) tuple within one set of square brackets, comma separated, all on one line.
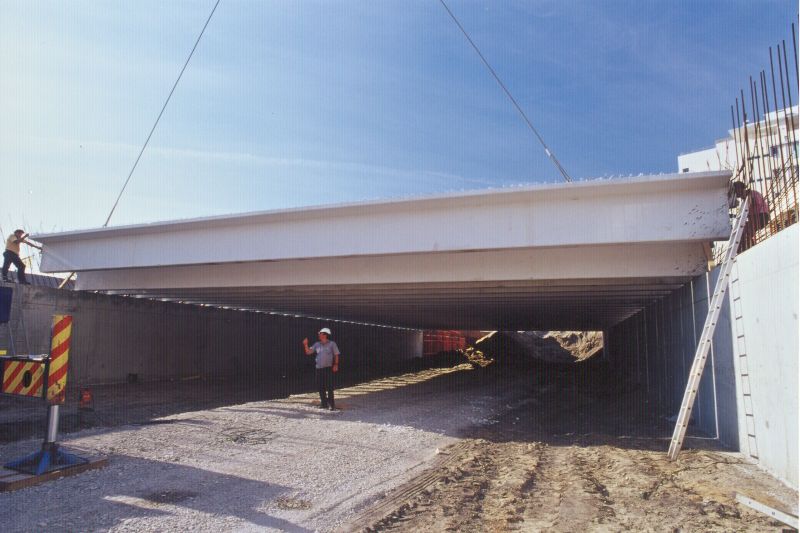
[(548, 346), (581, 344)]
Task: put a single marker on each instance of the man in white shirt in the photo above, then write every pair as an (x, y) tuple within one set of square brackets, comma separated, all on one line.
[(327, 363), (11, 255)]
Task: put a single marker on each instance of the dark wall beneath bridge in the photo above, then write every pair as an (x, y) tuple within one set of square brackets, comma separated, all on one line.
[(656, 347), (115, 336)]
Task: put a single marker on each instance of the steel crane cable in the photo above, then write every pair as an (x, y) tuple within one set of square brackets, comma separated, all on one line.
[(547, 150)]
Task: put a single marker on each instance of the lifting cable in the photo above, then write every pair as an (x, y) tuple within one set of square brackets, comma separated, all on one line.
[(158, 118), (547, 150), (153, 129)]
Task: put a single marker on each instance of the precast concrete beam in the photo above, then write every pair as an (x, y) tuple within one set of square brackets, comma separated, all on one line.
[(568, 256), (573, 262), (674, 208)]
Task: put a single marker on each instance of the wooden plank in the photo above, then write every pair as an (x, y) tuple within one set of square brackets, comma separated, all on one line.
[(786, 518), (17, 481), (5, 472)]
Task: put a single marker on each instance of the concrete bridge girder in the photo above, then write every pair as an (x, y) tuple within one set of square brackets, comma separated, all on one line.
[(582, 254)]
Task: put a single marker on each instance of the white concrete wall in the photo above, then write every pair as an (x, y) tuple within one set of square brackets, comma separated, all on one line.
[(656, 348), (768, 287)]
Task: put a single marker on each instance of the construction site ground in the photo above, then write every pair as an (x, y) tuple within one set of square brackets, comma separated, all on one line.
[(530, 447)]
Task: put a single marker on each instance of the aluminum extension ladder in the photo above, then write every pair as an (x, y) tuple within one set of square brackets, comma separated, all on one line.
[(704, 345)]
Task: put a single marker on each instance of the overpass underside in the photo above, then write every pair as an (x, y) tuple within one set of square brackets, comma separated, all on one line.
[(581, 256), (513, 305)]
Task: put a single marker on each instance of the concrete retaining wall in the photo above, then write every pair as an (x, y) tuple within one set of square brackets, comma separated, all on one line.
[(656, 348), (768, 352), (115, 336)]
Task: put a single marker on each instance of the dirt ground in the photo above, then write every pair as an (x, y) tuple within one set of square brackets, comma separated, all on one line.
[(569, 457), (532, 448)]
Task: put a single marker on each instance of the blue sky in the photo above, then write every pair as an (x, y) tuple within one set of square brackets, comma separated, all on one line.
[(299, 103)]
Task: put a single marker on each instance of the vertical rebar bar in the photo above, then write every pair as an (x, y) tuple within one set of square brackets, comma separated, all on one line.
[(788, 118), (786, 182), (747, 237), (791, 132), (778, 172), (758, 139), (773, 188), (794, 49), (788, 82), (735, 145), (739, 162), (745, 140)]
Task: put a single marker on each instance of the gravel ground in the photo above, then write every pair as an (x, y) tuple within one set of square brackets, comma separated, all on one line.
[(267, 465)]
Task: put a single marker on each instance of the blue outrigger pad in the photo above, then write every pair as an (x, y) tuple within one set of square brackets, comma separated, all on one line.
[(48, 459)]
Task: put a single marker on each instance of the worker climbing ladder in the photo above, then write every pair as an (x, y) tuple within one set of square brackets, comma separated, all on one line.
[(704, 344)]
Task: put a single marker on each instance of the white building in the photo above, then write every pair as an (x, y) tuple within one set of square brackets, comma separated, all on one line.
[(720, 156), (771, 138)]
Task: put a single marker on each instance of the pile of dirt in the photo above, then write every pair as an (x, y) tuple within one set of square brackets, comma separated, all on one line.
[(502, 349), (581, 344), (510, 347), (476, 358)]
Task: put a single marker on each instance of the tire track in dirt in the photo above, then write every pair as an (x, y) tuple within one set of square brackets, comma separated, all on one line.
[(561, 459), (531, 486), (569, 495), (482, 486)]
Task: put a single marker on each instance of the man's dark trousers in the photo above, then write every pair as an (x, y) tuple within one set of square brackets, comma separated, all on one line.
[(325, 386), (10, 258)]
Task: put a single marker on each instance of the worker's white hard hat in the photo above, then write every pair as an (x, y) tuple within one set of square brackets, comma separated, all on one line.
[(326, 331)]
